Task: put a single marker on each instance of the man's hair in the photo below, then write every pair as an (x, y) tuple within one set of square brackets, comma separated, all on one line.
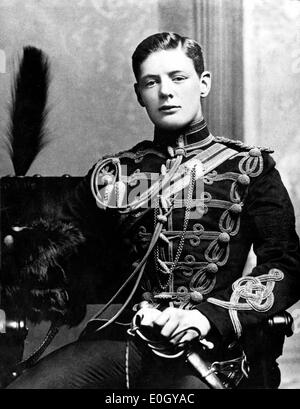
[(167, 41)]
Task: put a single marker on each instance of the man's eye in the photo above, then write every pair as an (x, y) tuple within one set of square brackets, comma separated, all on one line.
[(179, 78), (150, 83)]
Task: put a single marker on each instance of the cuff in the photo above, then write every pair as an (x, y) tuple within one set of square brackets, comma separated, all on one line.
[(219, 319)]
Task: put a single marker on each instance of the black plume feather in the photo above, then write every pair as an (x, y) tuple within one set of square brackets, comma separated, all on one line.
[(28, 111)]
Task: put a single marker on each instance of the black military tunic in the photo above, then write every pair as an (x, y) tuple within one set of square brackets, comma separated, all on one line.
[(171, 221), (206, 235)]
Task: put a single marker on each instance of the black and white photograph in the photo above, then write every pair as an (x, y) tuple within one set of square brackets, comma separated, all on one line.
[(150, 197)]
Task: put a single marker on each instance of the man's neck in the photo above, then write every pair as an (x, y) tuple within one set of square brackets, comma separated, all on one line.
[(193, 136)]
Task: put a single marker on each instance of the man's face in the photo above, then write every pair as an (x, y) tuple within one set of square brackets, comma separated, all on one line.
[(170, 89)]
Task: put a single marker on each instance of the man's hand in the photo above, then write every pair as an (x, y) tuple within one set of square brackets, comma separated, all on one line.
[(172, 323)]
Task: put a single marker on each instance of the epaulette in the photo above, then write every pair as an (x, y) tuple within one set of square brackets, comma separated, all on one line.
[(234, 143)]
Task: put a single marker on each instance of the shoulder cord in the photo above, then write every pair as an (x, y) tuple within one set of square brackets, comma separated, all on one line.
[(55, 326), (139, 270), (214, 157)]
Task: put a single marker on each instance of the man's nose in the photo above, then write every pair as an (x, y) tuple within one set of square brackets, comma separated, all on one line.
[(166, 88)]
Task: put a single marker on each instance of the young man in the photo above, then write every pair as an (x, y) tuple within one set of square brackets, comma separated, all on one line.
[(176, 218)]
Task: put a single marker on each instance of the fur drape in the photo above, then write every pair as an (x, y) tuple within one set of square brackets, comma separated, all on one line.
[(39, 275)]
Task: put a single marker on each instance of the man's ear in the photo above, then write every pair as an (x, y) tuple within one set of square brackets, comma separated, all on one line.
[(205, 80), (138, 95)]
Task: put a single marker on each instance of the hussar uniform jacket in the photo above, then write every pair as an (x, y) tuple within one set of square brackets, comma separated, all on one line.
[(236, 200)]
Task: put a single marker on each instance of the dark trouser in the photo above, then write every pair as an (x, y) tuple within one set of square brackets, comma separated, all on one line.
[(108, 360)]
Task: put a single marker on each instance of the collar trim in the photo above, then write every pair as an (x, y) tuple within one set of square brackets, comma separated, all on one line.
[(193, 137)]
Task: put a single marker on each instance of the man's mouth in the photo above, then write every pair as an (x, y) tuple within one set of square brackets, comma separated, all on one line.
[(169, 108)]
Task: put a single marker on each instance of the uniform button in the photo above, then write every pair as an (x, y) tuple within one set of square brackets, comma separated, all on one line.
[(243, 180), (255, 152), (224, 238), (196, 297), (236, 208), (212, 268)]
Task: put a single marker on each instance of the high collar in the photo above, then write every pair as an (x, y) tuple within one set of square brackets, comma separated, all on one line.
[(191, 137)]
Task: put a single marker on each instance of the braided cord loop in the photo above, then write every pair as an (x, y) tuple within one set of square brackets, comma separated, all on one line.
[(258, 296)]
